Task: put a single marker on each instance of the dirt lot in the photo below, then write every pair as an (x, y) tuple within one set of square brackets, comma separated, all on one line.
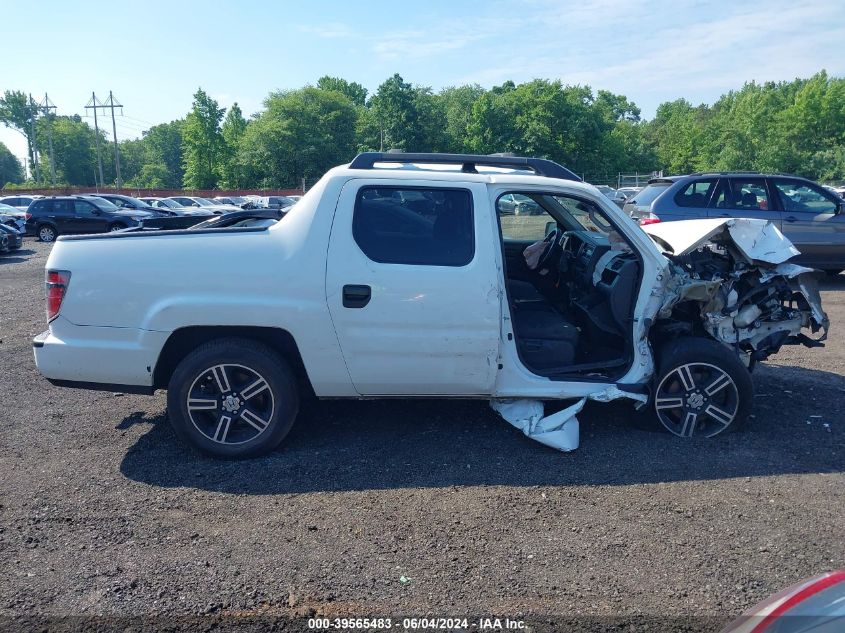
[(103, 512)]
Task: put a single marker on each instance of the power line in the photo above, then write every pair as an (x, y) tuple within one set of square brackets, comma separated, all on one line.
[(33, 111), (48, 108), (94, 104), (111, 104)]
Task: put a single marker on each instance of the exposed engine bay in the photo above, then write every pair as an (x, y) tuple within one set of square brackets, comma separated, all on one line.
[(735, 284)]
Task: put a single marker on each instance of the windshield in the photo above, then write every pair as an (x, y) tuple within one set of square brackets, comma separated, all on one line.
[(136, 201), (5, 208), (170, 204), (581, 213), (203, 202), (104, 205), (650, 193)]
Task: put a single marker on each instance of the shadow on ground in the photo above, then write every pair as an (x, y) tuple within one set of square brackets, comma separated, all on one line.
[(348, 445), (16, 257)]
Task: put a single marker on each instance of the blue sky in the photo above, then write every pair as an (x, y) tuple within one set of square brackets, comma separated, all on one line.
[(155, 54)]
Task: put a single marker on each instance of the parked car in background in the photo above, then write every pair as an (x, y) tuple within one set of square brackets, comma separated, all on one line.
[(204, 203), (295, 198), (4, 242), (237, 201), (812, 217), (166, 204), (15, 237), (128, 203), (51, 217), (628, 192), (275, 202), (20, 201), (612, 194), (12, 216)]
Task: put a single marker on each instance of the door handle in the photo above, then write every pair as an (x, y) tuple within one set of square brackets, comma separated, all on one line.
[(356, 296), (791, 218)]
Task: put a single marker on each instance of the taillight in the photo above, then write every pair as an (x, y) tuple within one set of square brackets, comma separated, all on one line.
[(27, 216), (651, 220), (56, 286)]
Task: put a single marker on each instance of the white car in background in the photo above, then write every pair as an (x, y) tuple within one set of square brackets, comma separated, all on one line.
[(172, 205), (204, 203)]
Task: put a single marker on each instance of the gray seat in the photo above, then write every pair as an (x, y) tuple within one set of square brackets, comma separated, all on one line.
[(545, 339), (523, 291)]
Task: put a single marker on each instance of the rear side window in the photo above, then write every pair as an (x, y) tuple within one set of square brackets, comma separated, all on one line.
[(696, 194), (650, 193), (423, 227), (744, 194)]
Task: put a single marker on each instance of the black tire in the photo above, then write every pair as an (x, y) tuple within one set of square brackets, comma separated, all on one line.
[(248, 417), (117, 226), (701, 388), (46, 233)]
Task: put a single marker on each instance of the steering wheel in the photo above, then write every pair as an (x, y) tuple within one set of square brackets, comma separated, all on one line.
[(551, 253)]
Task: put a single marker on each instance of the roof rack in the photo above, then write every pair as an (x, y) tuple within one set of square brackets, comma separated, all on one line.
[(468, 162)]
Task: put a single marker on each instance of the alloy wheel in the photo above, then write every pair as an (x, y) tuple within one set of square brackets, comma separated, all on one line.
[(46, 234), (696, 399), (230, 403)]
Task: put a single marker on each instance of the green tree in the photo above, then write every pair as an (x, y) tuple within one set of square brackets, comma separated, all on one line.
[(74, 150), (164, 164), (11, 170), (203, 145), (457, 103), (232, 172), (354, 91), (300, 134), (406, 117), (16, 113)]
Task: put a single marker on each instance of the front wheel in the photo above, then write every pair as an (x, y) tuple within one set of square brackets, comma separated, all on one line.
[(702, 388), (232, 398), (116, 227), (46, 233)]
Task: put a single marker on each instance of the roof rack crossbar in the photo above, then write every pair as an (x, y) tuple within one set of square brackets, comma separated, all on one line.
[(468, 162)]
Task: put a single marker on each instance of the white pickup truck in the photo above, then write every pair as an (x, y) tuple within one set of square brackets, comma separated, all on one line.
[(402, 275)]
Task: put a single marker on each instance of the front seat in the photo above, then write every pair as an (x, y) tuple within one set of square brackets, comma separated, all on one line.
[(543, 337)]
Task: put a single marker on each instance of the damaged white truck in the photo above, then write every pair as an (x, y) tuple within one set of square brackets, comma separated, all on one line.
[(429, 275)]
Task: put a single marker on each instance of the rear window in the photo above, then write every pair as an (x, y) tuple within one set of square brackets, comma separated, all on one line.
[(650, 193), (423, 227)]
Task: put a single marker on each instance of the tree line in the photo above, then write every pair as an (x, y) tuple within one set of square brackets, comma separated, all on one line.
[(790, 126)]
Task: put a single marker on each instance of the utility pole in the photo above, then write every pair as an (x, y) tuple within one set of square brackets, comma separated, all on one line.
[(94, 104), (114, 105), (46, 106), (32, 113)]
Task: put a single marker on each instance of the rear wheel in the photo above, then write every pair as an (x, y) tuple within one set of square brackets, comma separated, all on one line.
[(233, 398), (46, 233), (702, 388), (116, 227)]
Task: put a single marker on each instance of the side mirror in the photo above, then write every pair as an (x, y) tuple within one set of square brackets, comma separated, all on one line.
[(96, 212), (550, 226), (840, 208)]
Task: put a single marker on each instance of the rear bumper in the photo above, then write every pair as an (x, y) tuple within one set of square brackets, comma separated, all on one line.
[(103, 358)]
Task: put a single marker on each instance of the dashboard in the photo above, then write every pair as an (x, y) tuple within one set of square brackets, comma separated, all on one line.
[(603, 288)]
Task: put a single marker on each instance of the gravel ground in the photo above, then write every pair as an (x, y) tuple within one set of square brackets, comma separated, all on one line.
[(409, 508)]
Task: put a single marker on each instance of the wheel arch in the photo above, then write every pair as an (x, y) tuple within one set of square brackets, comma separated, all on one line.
[(184, 340)]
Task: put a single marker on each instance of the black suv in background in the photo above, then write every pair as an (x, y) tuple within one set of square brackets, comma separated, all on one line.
[(49, 217), (812, 217)]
